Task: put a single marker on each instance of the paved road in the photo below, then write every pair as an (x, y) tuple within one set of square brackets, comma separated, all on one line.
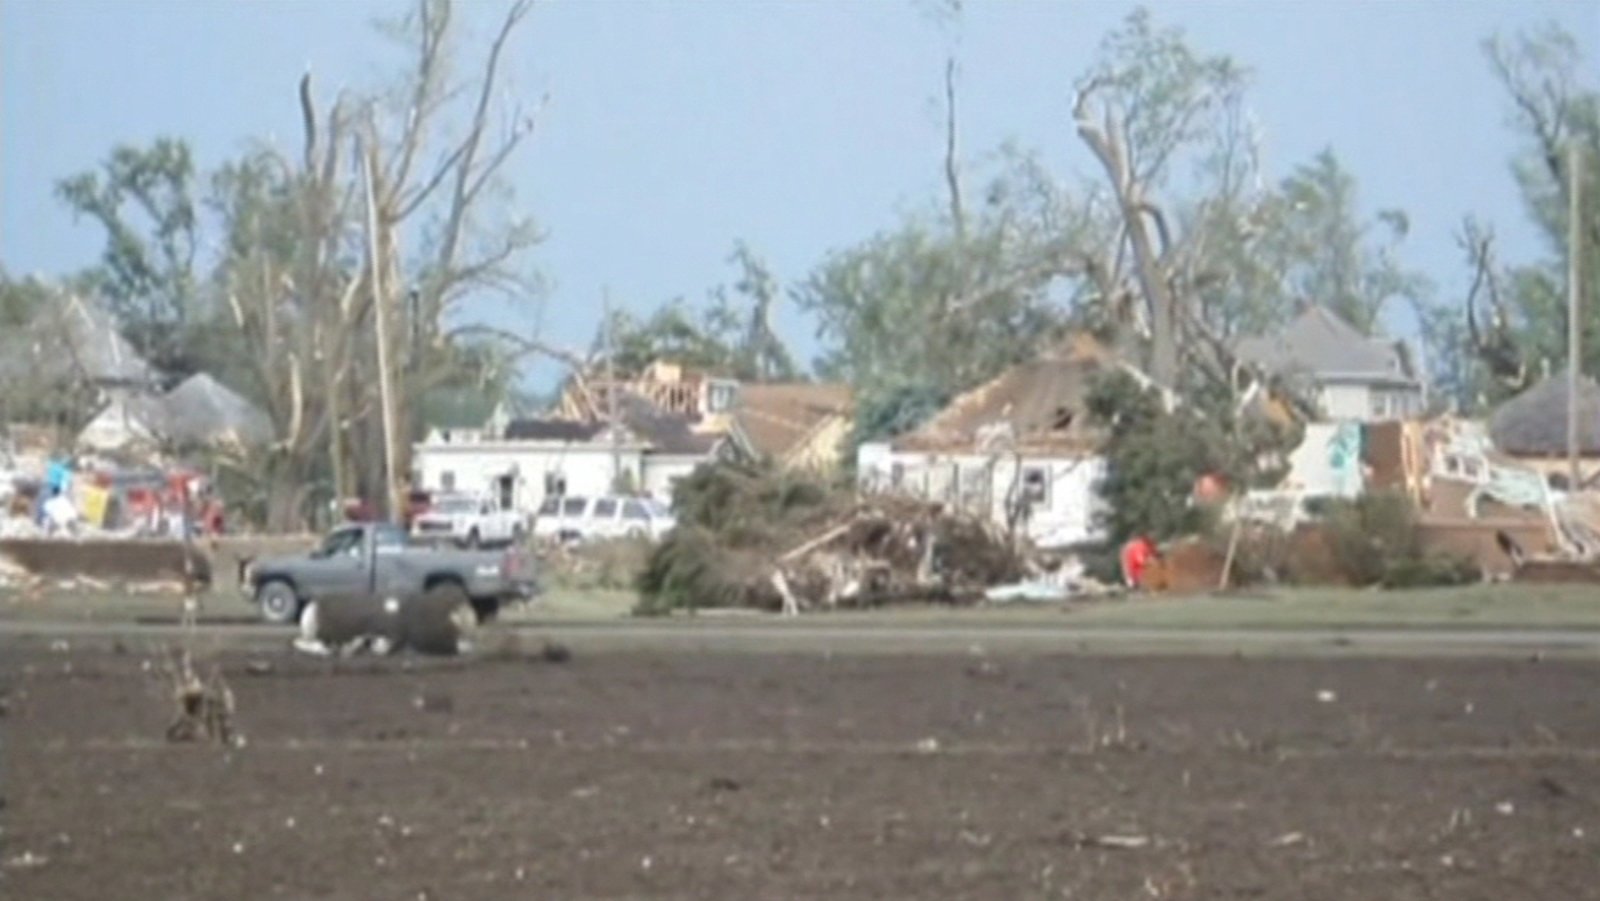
[(887, 637)]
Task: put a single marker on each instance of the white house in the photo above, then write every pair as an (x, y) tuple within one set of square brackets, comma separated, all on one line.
[(1353, 377), (1018, 450), (536, 458)]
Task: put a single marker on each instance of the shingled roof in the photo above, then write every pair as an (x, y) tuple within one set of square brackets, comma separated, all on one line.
[(1534, 423), (205, 411), (1320, 345)]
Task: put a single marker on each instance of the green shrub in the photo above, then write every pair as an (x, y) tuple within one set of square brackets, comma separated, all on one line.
[(1432, 571), (1371, 534)]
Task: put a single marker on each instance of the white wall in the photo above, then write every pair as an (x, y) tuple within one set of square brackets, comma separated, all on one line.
[(1327, 462), (1353, 401), (982, 484), (587, 469), (1346, 402), (662, 470)]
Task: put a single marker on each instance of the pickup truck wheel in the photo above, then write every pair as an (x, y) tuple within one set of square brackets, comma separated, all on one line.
[(278, 602), (452, 610)]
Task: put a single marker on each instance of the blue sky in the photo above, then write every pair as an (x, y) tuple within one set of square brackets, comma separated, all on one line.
[(674, 129)]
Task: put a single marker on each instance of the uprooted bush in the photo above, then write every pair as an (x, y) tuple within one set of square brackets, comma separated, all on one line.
[(738, 526), (730, 519), (1375, 541)]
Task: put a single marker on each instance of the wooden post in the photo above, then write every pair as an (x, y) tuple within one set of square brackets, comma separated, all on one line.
[(1574, 324), (380, 318), (611, 388)]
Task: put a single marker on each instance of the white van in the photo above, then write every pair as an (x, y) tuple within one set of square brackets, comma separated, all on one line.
[(576, 518)]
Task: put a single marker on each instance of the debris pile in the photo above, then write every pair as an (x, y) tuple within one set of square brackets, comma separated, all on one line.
[(754, 537), (896, 549)]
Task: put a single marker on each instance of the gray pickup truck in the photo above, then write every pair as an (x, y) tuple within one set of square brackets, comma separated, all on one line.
[(377, 558)]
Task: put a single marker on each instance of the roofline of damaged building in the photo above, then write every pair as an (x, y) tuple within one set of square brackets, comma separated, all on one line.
[(969, 448), (525, 444)]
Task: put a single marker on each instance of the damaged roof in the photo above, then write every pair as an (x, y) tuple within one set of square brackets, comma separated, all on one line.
[(778, 417), (538, 429), (663, 430), (200, 411), (1039, 405), (205, 411), (1319, 344), (77, 339), (1534, 423)]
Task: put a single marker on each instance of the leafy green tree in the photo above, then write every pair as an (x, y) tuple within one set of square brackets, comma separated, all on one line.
[(145, 200), (731, 334), (1154, 455), (1517, 314), (916, 307)]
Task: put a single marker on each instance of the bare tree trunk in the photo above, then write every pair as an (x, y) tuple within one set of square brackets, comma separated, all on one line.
[(952, 172)]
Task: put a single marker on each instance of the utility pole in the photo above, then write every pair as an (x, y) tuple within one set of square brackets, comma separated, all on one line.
[(380, 320), (611, 387), (1574, 324)]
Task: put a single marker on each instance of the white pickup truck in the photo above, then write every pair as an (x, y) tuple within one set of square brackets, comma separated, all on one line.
[(470, 521)]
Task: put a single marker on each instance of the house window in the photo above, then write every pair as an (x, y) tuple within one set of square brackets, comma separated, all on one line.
[(1036, 486), (445, 435), (447, 480), (897, 474), (555, 484), (1378, 403)]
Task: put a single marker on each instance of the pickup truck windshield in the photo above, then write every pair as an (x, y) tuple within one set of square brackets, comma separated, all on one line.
[(347, 542)]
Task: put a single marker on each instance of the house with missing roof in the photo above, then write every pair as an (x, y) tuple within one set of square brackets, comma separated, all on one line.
[(1019, 449), (1351, 377), (794, 425)]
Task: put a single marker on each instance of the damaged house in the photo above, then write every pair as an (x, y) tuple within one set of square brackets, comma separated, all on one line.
[(1018, 450), (74, 356), (795, 425), (533, 458), (200, 412)]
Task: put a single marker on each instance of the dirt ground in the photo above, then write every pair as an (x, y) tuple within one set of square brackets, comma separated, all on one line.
[(638, 774)]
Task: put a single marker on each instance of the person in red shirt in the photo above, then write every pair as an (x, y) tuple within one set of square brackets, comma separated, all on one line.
[(1136, 557)]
